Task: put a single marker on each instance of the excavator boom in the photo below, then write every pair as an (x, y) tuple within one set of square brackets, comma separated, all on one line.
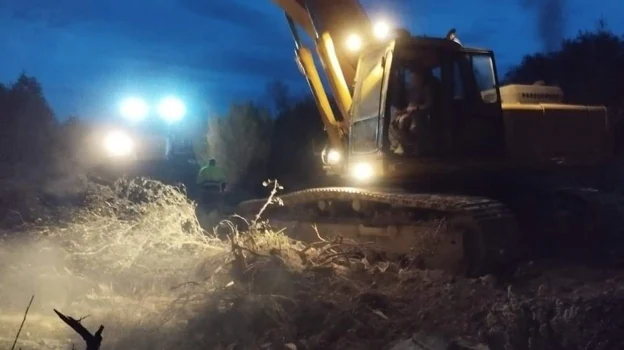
[(336, 18), (328, 22)]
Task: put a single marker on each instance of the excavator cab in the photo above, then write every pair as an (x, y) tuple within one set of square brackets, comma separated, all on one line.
[(422, 100)]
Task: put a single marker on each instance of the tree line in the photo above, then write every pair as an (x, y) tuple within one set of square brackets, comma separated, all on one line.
[(275, 139)]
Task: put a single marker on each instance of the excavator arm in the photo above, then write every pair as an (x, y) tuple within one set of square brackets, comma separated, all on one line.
[(328, 22)]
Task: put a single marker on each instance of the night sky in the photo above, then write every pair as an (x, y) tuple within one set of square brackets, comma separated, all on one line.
[(89, 54)]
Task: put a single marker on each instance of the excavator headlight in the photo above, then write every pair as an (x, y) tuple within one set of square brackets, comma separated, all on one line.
[(118, 144), (333, 157), (381, 30), (362, 171), (354, 42)]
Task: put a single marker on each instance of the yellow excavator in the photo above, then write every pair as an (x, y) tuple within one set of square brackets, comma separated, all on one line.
[(434, 159)]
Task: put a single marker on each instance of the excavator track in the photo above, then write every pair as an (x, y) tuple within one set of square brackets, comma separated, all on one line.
[(469, 235), (463, 234)]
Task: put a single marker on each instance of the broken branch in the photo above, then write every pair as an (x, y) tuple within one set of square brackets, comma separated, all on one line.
[(23, 321), (93, 341)]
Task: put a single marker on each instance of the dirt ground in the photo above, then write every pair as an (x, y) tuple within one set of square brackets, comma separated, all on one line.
[(136, 263), (336, 308)]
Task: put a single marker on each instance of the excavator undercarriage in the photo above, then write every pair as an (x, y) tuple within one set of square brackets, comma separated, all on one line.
[(463, 234), (458, 233)]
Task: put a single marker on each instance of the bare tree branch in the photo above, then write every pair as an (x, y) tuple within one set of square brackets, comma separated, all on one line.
[(23, 321), (93, 341)]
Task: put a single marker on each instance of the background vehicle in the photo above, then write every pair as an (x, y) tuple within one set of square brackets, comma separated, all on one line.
[(492, 173), (149, 140)]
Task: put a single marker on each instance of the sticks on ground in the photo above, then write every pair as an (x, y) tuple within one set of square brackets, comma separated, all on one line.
[(93, 341), (23, 321)]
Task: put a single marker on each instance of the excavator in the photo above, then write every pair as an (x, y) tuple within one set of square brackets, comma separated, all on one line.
[(473, 181)]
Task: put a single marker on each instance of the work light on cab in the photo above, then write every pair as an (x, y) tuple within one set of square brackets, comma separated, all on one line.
[(354, 42), (381, 30)]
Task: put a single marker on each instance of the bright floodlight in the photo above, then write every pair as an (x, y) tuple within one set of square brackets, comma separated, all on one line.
[(134, 108), (362, 172), (171, 109), (381, 30), (354, 42), (333, 156), (118, 144)]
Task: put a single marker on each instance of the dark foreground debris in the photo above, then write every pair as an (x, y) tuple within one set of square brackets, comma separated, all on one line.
[(93, 341), (423, 342)]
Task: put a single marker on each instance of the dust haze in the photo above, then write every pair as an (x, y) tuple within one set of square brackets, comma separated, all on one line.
[(118, 252)]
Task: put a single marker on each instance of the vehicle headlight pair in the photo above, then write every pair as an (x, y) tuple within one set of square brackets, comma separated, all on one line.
[(171, 109), (360, 171)]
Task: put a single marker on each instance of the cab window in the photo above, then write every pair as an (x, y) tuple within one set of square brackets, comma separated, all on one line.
[(483, 70), (366, 102)]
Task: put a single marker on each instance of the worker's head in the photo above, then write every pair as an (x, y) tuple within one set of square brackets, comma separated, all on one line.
[(212, 162)]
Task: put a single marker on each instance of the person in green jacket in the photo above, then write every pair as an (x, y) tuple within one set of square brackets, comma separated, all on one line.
[(211, 175)]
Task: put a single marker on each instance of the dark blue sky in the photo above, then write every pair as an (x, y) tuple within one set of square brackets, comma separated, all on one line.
[(88, 54)]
